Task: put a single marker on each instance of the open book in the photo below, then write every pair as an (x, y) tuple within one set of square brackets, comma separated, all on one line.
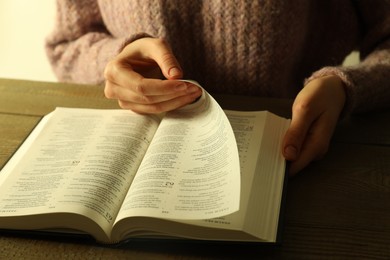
[(195, 173)]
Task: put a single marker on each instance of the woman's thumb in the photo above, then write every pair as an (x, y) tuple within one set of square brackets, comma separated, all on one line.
[(167, 62)]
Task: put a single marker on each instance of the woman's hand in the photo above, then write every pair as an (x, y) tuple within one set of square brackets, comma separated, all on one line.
[(134, 78), (315, 113)]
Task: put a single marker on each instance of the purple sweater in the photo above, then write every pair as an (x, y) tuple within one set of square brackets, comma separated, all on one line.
[(261, 47)]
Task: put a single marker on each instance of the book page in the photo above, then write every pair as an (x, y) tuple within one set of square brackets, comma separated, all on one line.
[(259, 136), (248, 129), (82, 161), (191, 169)]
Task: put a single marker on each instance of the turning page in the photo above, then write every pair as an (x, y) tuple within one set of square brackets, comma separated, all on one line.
[(259, 135), (191, 169)]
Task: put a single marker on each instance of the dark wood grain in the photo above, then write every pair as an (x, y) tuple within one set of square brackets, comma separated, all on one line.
[(13, 130), (341, 204), (40, 98)]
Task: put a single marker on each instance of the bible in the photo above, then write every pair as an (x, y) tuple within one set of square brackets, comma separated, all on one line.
[(198, 172)]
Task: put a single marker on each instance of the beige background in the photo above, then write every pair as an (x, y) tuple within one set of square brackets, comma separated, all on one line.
[(24, 25)]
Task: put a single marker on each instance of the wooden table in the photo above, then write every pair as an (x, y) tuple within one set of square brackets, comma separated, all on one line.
[(338, 207)]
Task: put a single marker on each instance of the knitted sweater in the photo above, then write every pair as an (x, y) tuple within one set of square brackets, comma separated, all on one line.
[(260, 47)]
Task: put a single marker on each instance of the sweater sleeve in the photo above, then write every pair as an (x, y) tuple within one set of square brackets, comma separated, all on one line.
[(368, 83), (80, 45)]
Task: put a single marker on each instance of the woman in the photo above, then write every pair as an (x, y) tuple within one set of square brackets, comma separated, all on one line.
[(262, 48)]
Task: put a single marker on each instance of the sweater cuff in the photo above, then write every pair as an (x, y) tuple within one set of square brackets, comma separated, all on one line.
[(348, 86)]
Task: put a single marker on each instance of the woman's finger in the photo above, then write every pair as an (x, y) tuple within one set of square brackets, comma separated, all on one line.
[(164, 106)]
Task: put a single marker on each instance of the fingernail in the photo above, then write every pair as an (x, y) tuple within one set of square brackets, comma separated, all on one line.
[(193, 89), (181, 87), (174, 72), (290, 152)]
